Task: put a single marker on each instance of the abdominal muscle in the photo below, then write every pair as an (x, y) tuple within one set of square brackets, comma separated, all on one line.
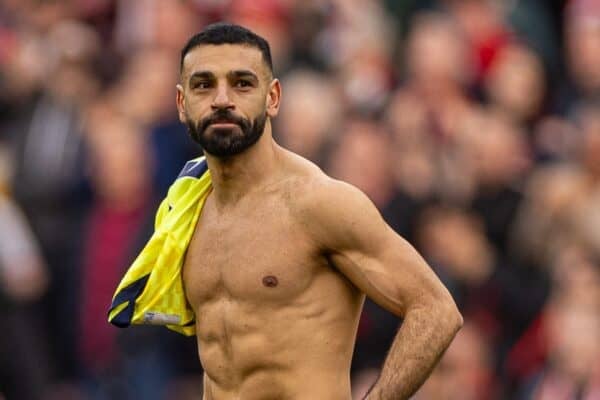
[(266, 352)]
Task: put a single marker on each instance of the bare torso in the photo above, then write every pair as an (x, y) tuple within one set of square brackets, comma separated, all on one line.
[(274, 319)]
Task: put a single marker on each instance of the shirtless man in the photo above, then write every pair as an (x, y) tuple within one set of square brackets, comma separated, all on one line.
[(283, 255)]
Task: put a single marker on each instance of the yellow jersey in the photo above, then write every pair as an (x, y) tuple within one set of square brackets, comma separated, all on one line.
[(151, 292)]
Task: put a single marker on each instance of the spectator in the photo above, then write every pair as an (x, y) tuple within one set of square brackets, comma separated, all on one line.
[(311, 117), (48, 179), (569, 330), (24, 357), (466, 371), (515, 70), (118, 223), (582, 40)]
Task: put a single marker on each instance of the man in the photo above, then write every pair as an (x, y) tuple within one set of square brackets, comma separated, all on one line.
[(282, 255)]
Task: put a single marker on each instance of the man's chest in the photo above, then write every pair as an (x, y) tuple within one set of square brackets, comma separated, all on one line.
[(260, 256)]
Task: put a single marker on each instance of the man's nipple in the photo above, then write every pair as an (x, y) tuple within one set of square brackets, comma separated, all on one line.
[(270, 281)]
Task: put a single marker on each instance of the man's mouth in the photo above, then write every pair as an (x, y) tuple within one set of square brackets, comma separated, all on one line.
[(223, 124)]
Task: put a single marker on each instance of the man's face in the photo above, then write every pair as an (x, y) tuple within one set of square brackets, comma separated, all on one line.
[(225, 97)]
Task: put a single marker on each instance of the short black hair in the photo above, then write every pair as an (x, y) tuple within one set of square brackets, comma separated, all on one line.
[(226, 33)]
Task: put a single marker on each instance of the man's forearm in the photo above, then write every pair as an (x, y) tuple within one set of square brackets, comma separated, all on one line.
[(424, 336)]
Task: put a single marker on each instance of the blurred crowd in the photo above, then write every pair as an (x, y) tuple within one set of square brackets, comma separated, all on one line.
[(473, 125)]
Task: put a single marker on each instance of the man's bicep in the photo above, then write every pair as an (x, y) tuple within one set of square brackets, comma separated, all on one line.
[(373, 257)]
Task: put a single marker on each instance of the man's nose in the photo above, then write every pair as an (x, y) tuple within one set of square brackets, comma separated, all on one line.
[(221, 99)]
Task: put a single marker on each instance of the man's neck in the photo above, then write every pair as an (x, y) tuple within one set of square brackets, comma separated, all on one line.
[(234, 177)]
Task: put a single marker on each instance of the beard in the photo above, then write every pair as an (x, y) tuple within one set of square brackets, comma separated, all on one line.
[(225, 142)]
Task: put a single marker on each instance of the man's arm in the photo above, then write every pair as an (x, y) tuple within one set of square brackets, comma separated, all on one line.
[(352, 233)]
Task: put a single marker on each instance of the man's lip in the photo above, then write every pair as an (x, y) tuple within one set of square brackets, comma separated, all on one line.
[(223, 123)]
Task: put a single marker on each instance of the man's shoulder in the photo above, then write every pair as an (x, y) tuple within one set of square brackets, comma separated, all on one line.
[(316, 196), (308, 182)]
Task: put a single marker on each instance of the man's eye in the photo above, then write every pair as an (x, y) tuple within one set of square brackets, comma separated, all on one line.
[(201, 85), (243, 84)]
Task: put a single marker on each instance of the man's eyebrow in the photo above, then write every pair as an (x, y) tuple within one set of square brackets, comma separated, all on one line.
[(202, 75), (243, 73)]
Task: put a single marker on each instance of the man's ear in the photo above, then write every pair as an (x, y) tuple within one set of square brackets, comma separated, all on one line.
[(180, 100), (274, 98)]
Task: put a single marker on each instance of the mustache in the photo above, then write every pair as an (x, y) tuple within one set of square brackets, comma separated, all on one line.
[(222, 115)]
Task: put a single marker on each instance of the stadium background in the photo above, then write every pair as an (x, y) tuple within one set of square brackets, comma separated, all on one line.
[(473, 125)]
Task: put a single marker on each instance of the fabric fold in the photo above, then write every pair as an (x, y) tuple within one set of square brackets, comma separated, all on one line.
[(151, 291)]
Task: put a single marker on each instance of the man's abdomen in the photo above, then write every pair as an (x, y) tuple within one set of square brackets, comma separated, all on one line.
[(277, 385), (258, 351)]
